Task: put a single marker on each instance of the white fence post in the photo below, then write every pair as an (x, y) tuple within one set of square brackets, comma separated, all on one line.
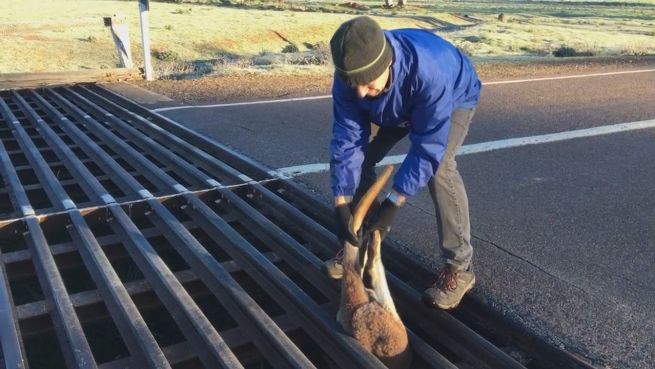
[(144, 7), (121, 37)]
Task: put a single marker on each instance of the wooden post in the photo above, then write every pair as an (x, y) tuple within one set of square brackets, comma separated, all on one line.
[(144, 7), (121, 37)]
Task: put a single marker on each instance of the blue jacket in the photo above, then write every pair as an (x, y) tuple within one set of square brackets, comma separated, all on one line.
[(430, 79)]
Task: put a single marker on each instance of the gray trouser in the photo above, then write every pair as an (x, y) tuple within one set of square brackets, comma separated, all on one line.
[(446, 186)]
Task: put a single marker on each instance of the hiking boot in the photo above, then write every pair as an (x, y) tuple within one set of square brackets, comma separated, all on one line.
[(449, 287), (333, 268)]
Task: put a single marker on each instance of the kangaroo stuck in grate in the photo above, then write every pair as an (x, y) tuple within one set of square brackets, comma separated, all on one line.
[(367, 311)]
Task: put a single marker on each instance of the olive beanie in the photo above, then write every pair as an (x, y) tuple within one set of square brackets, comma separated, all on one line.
[(360, 51)]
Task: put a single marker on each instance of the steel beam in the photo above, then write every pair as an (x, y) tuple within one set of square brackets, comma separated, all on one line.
[(71, 336), (11, 340)]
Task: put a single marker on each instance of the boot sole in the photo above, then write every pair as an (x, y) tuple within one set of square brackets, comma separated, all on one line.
[(451, 306)]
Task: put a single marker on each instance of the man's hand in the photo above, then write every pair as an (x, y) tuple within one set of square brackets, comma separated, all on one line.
[(381, 220), (343, 216)]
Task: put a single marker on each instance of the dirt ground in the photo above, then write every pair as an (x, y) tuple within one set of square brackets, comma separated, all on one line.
[(248, 87)]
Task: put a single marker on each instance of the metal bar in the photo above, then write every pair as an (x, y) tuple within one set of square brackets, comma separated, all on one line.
[(430, 356), (472, 342), (82, 300), (139, 340), (129, 154), (134, 157), (342, 348), (56, 193), (308, 265), (268, 274), (64, 253), (60, 251), (126, 182), (194, 324), (134, 331), (208, 162), (67, 325), (468, 341), (11, 180), (461, 339), (241, 163), (322, 238), (91, 186), (13, 352), (297, 255), (187, 314), (25, 167), (197, 319), (202, 159), (71, 336), (211, 164), (64, 183), (164, 154), (269, 338), (234, 337), (276, 346), (92, 301), (216, 167), (11, 340)]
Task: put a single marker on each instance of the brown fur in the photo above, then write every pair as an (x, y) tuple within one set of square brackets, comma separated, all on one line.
[(370, 316)]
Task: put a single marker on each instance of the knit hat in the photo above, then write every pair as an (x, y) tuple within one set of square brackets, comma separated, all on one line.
[(360, 51)]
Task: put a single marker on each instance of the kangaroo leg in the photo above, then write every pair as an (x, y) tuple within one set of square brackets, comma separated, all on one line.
[(375, 270), (353, 291), (362, 259)]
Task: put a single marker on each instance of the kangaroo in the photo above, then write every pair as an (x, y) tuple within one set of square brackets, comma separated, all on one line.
[(369, 314)]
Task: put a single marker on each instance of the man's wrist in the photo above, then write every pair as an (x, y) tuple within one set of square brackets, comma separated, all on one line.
[(341, 200), (397, 198)]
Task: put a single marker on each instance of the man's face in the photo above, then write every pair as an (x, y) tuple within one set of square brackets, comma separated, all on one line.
[(375, 87)]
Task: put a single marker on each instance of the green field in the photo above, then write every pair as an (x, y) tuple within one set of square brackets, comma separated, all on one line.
[(209, 37)]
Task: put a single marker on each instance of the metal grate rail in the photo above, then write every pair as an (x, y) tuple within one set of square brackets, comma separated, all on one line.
[(127, 240)]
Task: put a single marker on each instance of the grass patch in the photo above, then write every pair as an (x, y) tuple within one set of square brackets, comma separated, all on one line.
[(566, 52), (290, 48), (223, 35), (165, 55), (183, 11)]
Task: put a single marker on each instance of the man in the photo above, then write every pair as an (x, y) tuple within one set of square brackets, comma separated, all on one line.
[(392, 84)]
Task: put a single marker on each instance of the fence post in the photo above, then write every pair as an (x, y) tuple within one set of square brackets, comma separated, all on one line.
[(144, 7), (121, 37)]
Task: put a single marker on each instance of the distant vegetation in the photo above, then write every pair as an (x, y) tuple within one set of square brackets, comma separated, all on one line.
[(194, 37)]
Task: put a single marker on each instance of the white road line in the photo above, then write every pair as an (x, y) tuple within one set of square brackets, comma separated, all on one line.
[(293, 171), (159, 110), (568, 77)]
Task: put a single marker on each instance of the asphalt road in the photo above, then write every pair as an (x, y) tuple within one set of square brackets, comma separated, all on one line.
[(564, 232)]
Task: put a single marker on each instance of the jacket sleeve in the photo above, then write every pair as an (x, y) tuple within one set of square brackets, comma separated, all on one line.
[(350, 132), (430, 124)]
